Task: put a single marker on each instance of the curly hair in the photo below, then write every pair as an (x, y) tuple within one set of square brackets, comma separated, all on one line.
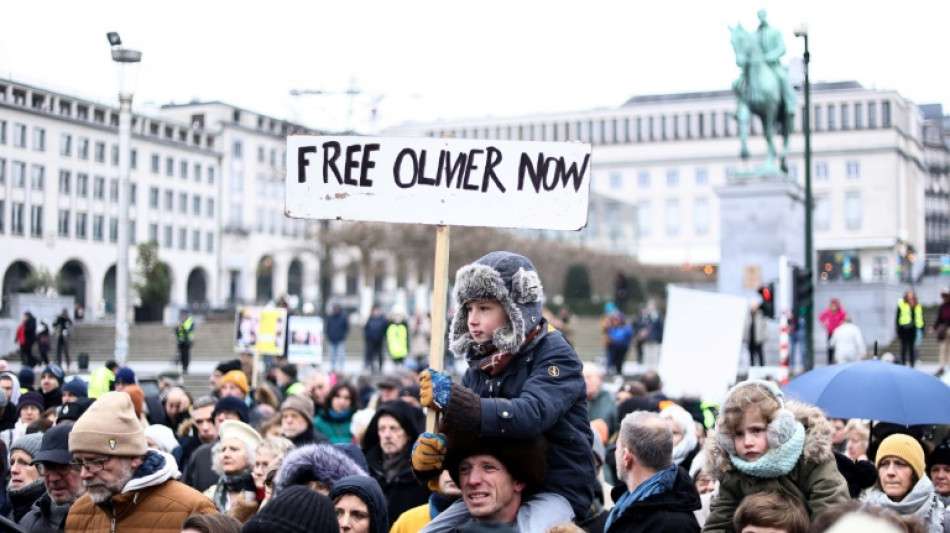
[(743, 399)]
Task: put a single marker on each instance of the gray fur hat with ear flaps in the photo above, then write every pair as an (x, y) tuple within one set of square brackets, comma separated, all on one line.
[(509, 279)]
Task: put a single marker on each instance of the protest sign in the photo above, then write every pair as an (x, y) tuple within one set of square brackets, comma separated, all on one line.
[(305, 344)]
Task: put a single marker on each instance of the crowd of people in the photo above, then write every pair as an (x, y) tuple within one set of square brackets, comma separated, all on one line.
[(528, 438)]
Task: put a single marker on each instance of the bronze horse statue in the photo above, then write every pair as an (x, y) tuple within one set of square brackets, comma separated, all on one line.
[(759, 91)]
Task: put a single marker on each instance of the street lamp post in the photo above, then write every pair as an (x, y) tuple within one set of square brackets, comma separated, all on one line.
[(126, 62), (802, 31)]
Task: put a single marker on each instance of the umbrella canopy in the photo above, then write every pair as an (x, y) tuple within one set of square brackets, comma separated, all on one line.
[(875, 390)]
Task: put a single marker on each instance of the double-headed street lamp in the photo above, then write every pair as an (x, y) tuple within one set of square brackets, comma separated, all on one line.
[(802, 31), (126, 67)]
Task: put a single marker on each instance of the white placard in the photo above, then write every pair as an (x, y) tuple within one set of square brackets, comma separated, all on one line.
[(702, 342), (466, 182)]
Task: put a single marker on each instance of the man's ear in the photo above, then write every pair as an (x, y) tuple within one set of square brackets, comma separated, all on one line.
[(136, 462), (519, 486)]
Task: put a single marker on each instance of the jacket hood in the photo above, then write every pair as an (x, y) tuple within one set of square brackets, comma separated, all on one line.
[(15, 395), (818, 432), (315, 462), (511, 280), (157, 468), (368, 490), (410, 417)]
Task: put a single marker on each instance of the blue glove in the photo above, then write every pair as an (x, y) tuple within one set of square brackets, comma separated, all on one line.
[(435, 389)]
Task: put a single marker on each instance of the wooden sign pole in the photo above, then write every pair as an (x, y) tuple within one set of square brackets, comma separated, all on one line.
[(440, 286)]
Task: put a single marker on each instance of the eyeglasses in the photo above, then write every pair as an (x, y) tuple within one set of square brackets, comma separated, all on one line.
[(91, 466), (46, 469)]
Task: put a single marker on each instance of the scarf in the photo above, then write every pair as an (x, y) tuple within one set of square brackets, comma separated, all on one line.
[(658, 483), (339, 415), (491, 362), (777, 461), (229, 483), (922, 501)]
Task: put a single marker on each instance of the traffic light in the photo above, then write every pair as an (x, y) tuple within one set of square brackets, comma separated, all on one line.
[(802, 289), (767, 292)]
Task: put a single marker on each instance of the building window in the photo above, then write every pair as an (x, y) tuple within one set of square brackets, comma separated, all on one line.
[(19, 174), (209, 242), (156, 163), (816, 119), (36, 221), (821, 171), (99, 188), (701, 216), (3, 132), (886, 114), (643, 179), (183, 169), (169, 200), (702, 176), (822, 212), (672, 178), (65, 182), (616, 180), (153, 232), (644, 219), (211, 175), (38, 177), (872, 115), (831, 117), (261, 154), (81, 221), (858, 116), (82, 149), (167, 236), (237, 149), (853, 169), (672, 217), (852, 210), (100, 152), (845, 122), (133, 240), (19, 139), (182, 238), (114, 190), (98, 221), (65, 145), (236, 215), (114, 155), (3, 215), (133, 159), (3, 171), (196, 205), (183, 203), (113, 229), (153, 197), (196, 240), (63, 224), (169, 166), (210, 207), (82, 184), (16, 218), (197, 172)]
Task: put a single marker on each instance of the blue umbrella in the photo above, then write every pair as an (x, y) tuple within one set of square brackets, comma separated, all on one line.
[(875, 390)]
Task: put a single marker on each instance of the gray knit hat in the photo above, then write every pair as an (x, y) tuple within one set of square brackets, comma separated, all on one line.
[(511, 280), (28, 443)]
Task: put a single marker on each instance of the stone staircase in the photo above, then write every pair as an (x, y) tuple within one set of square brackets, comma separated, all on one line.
[(928, 352)]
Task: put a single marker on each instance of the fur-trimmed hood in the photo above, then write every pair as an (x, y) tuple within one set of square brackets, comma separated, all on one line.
[(818, 432), (509, 279), (315, 462)]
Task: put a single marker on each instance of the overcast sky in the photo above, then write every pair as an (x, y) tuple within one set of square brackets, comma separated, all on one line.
[(426, 60)]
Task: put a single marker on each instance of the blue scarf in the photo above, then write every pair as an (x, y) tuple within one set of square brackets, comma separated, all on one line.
[(338, 415), (658, 483), (777, 461)]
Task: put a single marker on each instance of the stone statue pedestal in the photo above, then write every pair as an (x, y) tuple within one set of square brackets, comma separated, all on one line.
[(762, 218)]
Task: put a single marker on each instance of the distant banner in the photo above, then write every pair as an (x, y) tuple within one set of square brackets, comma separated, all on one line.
[(260, 328), (306, 340)]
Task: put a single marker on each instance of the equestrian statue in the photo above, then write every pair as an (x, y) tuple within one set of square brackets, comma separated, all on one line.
[(763, 88)]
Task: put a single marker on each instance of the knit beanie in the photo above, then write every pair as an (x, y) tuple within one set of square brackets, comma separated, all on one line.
[(30, 398), (940, 455), (125, 375), (109, 427), (27, 377), (295, 510), (905, 448), (302, 405), (233, 404), (512, 281), (28, 443), (289, 369), (76, 386), (232, 429), (71, 411), (237, 378), (56, 371), (138, 398), (226, 366)]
